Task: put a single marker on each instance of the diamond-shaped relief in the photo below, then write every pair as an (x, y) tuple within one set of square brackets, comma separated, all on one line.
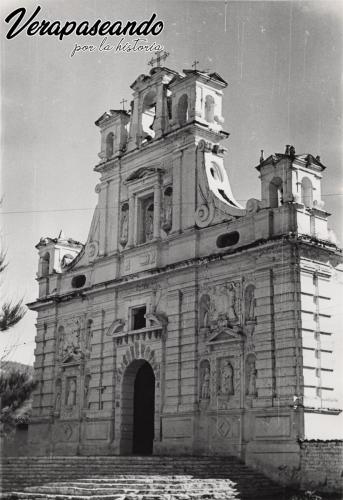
[(68, 431), (223, 427)]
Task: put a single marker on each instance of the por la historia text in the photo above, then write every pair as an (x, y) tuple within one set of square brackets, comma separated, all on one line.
[(19, 22), (136, 45)]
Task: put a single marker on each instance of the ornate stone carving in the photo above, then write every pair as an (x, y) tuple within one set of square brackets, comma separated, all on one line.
[(116, 327), (156, 320), (71, 341), (204, 214), (253, 206), (138, 351), (219, 307), (93, 250), (67, 431)]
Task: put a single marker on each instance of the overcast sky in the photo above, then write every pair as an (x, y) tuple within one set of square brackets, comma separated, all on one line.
[(282, 61)]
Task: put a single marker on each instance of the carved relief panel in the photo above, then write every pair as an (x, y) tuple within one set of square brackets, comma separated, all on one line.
[(220, 306), (74, 340), (220, 380)]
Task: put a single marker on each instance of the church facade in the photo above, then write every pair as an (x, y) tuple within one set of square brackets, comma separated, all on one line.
[(187, 323)]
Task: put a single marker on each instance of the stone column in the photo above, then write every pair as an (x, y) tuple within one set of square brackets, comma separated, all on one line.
[(159, 118), (130, 241), (132, 143), (177, 187), (157, 210), (101, 189)]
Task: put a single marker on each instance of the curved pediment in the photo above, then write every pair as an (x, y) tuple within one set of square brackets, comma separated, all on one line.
[(143, 172)]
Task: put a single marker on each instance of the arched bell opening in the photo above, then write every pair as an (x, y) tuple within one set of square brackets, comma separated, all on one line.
[(148, 116), (138, 409)]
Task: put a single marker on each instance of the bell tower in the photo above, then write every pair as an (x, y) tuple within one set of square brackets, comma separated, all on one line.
[(150, 108), (54, 255), (295, 179)]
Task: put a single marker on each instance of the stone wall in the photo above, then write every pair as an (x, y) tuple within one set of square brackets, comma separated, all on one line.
[(314, 465), (322, 465)]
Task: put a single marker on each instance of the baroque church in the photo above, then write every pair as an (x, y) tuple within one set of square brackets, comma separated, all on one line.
[(187, 323)]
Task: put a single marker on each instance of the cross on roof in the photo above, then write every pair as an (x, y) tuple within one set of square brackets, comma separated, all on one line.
[(123, 102), (194, 65), (159, 57)]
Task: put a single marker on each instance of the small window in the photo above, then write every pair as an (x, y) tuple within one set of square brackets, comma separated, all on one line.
[(78, 281), (228, 239), (45, 264), (109, 144), (306, 192), (276, 192), (209, 109), (182, 109), (138, 318)]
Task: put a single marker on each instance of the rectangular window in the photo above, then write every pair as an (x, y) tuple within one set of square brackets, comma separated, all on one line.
[(138, 320)]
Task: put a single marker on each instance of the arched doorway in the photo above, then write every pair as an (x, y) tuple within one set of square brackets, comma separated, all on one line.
[(138, 409)]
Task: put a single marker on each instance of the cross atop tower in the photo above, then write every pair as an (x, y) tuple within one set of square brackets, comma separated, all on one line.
[(123, 102), (194, 65), (159, 57)]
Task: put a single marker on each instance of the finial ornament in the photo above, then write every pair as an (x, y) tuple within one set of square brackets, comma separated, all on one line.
[(123, 102), (287, 149), (262, 156), (160, 56)]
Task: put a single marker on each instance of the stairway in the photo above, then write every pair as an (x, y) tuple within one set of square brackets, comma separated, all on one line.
[(133, 478)]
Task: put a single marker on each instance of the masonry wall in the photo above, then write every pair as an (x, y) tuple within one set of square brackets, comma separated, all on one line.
[(322, 465)]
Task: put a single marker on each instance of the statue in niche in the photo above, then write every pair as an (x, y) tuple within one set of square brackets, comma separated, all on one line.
[(167, 210), (231, 302), (124, 226), (226, 379), (249, 305), (149, 223), (58, 396), (205, 385), (204, 313), (71, 392), (251, 378)]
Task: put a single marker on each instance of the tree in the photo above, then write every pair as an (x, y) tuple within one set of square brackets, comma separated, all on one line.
[(10, 313), (15, 388)]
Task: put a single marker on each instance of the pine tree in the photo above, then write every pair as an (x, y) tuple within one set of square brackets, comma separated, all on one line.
[(10, 312)]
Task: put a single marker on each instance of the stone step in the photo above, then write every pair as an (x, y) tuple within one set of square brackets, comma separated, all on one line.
[(203, 496), (134, 478)]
